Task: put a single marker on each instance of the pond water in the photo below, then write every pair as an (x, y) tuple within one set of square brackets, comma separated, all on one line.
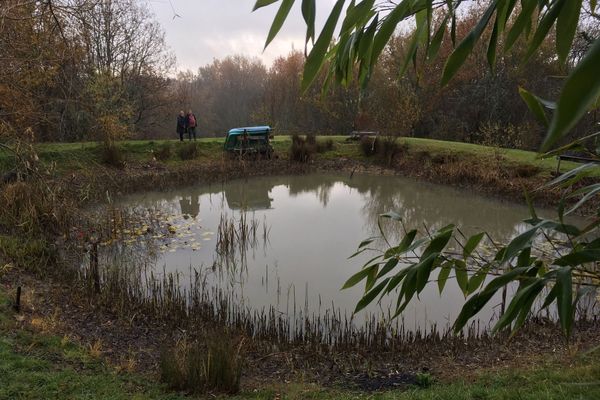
[(299, 232)]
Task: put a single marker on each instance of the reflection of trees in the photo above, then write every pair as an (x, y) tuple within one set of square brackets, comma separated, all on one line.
[(420, 204), (433, 206), (189, 205)]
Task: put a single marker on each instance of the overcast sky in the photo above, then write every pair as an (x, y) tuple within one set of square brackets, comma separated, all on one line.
[(209, 29)]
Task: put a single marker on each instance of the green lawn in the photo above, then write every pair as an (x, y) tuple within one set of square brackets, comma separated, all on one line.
[(85, 155), (41, 366)]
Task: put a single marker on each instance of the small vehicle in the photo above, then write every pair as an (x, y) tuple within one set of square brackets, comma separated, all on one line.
[(254, 140)]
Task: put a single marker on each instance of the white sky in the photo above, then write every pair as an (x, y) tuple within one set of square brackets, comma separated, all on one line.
[(210, 29)]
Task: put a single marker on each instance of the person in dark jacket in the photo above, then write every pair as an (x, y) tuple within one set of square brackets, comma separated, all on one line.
[(181, 125)]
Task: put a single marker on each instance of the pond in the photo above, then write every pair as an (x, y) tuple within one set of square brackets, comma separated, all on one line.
[(280, 245)]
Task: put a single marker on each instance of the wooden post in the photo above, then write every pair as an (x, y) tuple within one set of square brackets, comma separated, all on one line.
[(94, 267), (17, 305)]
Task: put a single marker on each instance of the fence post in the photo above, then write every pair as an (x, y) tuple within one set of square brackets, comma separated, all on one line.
[(17, 305), (94, 267)]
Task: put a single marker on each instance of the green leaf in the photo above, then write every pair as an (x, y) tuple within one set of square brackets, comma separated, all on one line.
[(418, 36), (592, 190), (370, 296), (566, 26), (424, 271), (436, 40), (581, 91), (443, 276), (564, 299), (262, 3), (544, 27), (477, 280), (535, 106), (519, 303), (524, 18), (404, 245), (479, 300), (309, 15), (462, 277), (575, 172), (438, 243), (472, 244), (576, 258), (359, 276), (279, 19), (388, 26), (316, 58), (389, 265), (472, 307), (460, 54)]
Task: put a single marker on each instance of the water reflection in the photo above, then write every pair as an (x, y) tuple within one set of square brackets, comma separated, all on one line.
[(305, 227)]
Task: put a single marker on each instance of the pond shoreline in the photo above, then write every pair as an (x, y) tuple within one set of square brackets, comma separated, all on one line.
[(138, 339), (470, 173), (79, 315)]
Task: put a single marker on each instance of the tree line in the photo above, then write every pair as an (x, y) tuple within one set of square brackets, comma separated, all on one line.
[(100, 70)]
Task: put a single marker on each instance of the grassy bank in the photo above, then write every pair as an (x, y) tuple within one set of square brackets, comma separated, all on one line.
[(37, 364), (86, 155)]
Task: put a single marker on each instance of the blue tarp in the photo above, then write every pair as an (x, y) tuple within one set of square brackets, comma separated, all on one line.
[(249, 130)]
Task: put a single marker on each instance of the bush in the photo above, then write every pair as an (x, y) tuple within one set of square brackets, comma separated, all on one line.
[(386, 148), (189, 366), (303, 149), (369, 145), (113, 155), (163, 152), (188, 151)]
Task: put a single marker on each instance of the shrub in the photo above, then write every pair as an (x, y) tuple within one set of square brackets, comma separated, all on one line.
[(386, 148), (368, 145), (188, 151), (113, 155), (325, 145), (301, 150), (163, 152), (216, 367), (423, 379)]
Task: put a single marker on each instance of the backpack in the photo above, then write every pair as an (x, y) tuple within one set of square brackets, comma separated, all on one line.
[(192, 121)]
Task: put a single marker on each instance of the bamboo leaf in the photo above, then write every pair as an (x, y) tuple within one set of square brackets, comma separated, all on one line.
[(535, 106), (472, 244), (581, 91), (309, 15), (316, 58), (460, 54), (443, 276), (524, 18), (359, 276), (564, 298), (262, 3), (280, 17), (370, 296), (566, 26)]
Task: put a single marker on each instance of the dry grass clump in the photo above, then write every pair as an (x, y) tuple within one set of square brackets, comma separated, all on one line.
[(304, 148), (163, 152), (188, 151), (113, 155), (215, 366), (386, 148)]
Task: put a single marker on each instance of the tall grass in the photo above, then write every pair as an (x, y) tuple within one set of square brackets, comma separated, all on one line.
[(188, 151), (304, 148), (213, 366)]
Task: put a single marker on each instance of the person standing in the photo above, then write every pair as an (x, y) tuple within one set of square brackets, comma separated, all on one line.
[(191, 124), (181, 125)]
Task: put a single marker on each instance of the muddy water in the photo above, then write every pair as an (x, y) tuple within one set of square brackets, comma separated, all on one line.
[(304, 228)]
